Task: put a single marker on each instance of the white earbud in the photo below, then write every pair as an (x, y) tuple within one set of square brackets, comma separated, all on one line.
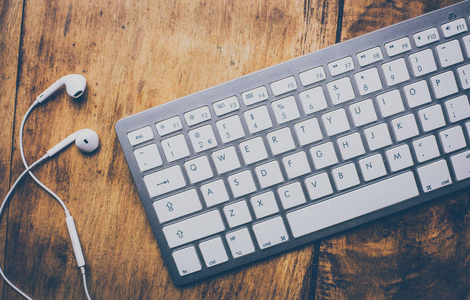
[(86, 140), (75, 85)]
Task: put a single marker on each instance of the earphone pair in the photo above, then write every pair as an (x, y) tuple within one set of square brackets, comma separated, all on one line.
[(86, 141)]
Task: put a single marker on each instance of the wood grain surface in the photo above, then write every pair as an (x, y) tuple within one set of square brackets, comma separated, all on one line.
[(138, 54)]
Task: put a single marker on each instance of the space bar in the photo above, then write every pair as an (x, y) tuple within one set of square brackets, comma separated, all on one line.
[(353, 204)]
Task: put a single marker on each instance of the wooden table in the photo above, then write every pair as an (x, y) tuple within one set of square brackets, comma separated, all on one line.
[(138, 54)]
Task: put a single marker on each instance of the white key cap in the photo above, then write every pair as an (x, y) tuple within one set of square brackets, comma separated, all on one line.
[(308, 131), (341, 66), (291, 195), (372, 167), (280, 141), (323, 155), (237, 214), (350, 146), (177, 205), (140, 135), (148, 157), (426, 37), (285, 110), (230, 129), (257, 119), (398, 46), (353, 204), (431, 117), (241, 183), (399, 158), (455, 27), (434, 176), (264, 204), (175, 148), (345, 176), (312, 76), (240, 242), (213, 252), (253, 150), (363, 112), (313, 100), (164, 181), (395, 72), (214, 192), (466, 43), (198, 169), (449, 53), (197, 116), (255, 95), (417, 93), (269, 174), (186, 261), (426, 148), (318, 186), (340, 90), (377, 136), (225, 106), (194, 228), (461, 164), (296, 164), (452, 139), (270, 232), (458, 108), (202, 138), (390, 103), (444, 84), (368, 81), (283, 86), (226, 160), (464, 76), (369, 56), (422, 62), (335, 122), (405, 127), (169, 125)]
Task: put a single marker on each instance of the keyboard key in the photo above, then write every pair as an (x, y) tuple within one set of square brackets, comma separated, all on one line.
[(323, 155), (312, 76), (240, 242), (372, 167), (253, 150), (175, 148), (291, 195), (283, 86), (214, 192), (340, 90), (398, 46), (226, 106), (390, 103), (140, 135), (186, 261), (395, 72), (177, 205), (444, 84), (353, 204), (257, 119), (285, 110), (164, 181), (426, 148), (202, 138), (213, 252), (280, 141), (377, 136), (405, 127), (269, 174), (449, 53), (345, 176), (369, 56), (237, 214), (350, 146), (197, 116), (318, 186), (194, 228), (461, 165), (341, 66), (296, 164), (422, 63), (426, 37), (363, 112), (169, 125), (255, 95), (270, 232), (452, 139), (308, 131), (458, 108), (313, 100), (241, 183), (434, 176), (225, 160), (148, 157), (368, 81), (198, 169), (264, 204), (230, 129), (417, 93), (455, 27), (335, 122), (466, 43), (464, 76), (431, 118), (399, 158)]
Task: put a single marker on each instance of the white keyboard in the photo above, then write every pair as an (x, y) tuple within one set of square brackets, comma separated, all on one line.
[(307, 148)]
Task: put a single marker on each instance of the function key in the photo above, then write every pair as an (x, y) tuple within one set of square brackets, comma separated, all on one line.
[(140, 135), (454, 27), (225, 106), (426, 37), (255, 95), (197, 116), (169, 125), (284, 85), (186, 261), (398, 46), (312, 76), (369, 56), (341, 66)]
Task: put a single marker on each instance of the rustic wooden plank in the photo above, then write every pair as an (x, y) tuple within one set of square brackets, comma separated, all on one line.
[(420, 253), (136, 55)]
